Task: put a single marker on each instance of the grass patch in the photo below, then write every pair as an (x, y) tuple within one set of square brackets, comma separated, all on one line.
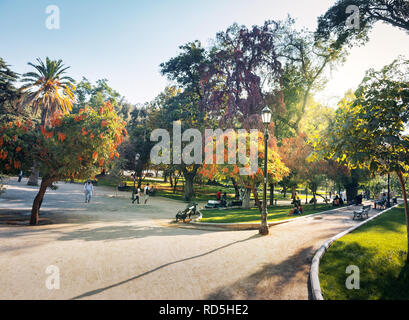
[(203, 193), (253, 215), (379, 250)]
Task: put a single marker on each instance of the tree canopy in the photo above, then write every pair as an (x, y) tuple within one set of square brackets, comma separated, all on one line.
[(369, 131), (74, 146), (334, 22)]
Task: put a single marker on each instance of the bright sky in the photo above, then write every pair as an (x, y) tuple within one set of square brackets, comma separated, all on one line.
[(124, 41)]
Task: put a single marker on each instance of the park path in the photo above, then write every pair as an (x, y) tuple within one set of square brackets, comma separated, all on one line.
[(111, 249)]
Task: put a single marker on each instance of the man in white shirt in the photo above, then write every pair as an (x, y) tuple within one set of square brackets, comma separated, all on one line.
[(146, 192), (88, 189)]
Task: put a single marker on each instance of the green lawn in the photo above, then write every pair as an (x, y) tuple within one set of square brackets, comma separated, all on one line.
[(379, 250), (253, 215)]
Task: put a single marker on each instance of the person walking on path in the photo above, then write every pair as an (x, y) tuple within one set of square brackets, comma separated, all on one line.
[(146, 191), (137, 196), (88, 189), (20, 176)]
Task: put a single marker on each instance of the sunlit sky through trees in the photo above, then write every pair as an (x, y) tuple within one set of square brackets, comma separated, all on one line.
[(125, 41)]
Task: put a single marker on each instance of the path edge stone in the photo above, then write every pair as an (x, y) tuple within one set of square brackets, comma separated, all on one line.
[(314, 270)]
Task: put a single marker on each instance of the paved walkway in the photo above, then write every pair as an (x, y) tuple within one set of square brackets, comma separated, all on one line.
[(111, 249)]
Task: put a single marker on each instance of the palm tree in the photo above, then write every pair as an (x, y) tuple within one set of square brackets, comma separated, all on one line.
[(48, 91)]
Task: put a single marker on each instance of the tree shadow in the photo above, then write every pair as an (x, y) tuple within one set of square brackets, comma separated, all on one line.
[(381, 277), (270, 281), (97, 291), (125, 232), (398, 289)]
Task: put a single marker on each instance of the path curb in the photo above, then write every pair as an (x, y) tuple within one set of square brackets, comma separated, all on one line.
[(256, 226), (314, 271)]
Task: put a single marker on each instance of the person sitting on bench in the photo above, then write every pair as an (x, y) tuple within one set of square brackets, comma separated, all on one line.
[(297, 211), (219, 195), (224, 200), (337, 201), (358, 199), (296, 200), (382, 202)]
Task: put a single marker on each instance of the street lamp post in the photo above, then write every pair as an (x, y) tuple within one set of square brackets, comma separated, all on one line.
[(266, 117), (137, 156)]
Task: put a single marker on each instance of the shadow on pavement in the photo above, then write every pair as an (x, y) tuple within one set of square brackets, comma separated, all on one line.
[(97, 291), (269, 281)]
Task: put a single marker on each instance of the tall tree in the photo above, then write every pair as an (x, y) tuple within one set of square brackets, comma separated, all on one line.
[(305, 65), (370, 130), (9, 94), (48, 91), (94, 95), (73, 146), (139, 142), (186, 72), (243, 76)]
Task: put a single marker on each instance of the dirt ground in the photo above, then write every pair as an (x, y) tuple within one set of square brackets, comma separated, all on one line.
[(113, 249)]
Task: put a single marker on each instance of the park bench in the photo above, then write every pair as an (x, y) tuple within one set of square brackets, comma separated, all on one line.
[(235, 203), (190, 210), (361, 214), (381, 203), (213, 204)]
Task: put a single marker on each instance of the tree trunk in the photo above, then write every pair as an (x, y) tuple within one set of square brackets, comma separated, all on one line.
[(189, 180), (175, 184), (246, 199), (171, 180), (272, 194), (38, 200), (293, 191), (33, 179), (285, 191), (189, 190), (351, 191), (257, 200), (405, 200), (236, 189), (315, 199), (306, 196)]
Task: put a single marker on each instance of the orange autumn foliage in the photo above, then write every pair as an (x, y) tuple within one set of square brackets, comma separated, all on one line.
[(61, 136)]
